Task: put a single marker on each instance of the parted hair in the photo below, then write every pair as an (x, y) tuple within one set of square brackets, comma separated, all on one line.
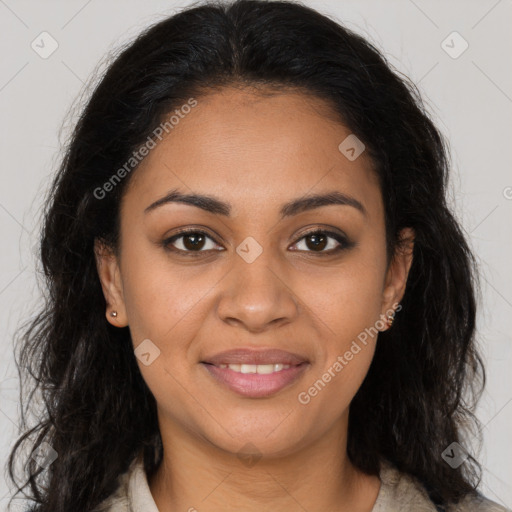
[(80, 372)]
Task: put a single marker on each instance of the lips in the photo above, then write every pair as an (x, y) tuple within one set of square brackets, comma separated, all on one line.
[(255, 357), (254, 385), (255, 373)]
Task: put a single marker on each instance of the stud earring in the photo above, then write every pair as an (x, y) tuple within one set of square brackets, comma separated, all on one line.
[(113, 313), (391, 318)]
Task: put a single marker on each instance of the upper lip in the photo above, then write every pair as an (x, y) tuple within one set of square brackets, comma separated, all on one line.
[(252, 356)]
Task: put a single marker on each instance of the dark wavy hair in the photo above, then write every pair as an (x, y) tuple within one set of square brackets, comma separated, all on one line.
[(426, 376)]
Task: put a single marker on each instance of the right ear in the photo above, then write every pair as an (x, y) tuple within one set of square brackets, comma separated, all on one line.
[(110, 277)]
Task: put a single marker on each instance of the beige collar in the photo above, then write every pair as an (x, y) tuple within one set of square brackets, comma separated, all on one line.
[(398, 492)]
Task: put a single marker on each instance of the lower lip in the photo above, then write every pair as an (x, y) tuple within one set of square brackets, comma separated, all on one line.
[(255, 385)]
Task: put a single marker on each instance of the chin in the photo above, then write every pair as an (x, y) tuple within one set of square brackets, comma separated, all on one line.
[(252, 439)]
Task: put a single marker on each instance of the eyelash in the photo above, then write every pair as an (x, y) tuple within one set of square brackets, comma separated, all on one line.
[(344, 242)]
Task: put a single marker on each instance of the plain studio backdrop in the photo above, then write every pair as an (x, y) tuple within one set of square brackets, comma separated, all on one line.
[(458, 53)]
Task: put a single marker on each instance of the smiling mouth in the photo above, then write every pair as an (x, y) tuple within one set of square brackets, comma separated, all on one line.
[(261, 369), (255, 381)]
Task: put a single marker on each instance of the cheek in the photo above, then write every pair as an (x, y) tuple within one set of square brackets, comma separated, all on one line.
[(346, 306), (330, 392), (160, 298), (347, 299)]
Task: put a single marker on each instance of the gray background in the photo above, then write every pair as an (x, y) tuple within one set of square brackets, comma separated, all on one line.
[(469, 96)]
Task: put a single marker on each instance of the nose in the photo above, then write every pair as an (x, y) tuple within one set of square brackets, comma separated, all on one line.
[(257, 295)]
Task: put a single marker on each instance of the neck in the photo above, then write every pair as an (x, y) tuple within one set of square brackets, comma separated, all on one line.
[(198, 476)]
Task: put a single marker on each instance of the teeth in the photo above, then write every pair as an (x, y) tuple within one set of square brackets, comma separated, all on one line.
[(256, 368)]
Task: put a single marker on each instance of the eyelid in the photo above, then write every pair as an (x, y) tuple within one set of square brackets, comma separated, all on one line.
[(167, 242), (343, 241)]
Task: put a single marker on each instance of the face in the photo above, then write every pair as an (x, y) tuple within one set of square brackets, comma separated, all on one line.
[(260, 270)]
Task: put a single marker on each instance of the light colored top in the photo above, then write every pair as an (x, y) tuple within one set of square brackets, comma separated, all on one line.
[(398, 492)]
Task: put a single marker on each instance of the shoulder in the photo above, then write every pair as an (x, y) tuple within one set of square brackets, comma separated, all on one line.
[(401, 492), (133, 493), (119, 501), (478, 503)]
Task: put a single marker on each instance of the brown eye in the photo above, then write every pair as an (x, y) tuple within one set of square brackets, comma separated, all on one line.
[(317, 241), (193, 241), (190, 241)]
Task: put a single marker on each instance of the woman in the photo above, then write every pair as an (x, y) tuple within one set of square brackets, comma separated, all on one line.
[(250, 197)]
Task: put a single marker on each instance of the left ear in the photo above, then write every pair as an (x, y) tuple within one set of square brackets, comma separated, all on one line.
[(398, 271)]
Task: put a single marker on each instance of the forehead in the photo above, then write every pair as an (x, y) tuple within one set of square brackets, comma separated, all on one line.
[(253, 149)]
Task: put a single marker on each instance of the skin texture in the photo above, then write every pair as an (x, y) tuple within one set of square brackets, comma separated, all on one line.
[(255, 152)]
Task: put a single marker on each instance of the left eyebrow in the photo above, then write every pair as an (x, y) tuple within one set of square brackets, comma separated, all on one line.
[(317, 200), (214, 205)]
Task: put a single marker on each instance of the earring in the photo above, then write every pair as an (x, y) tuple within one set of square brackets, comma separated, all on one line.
[(113, 313), (391, 318)]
